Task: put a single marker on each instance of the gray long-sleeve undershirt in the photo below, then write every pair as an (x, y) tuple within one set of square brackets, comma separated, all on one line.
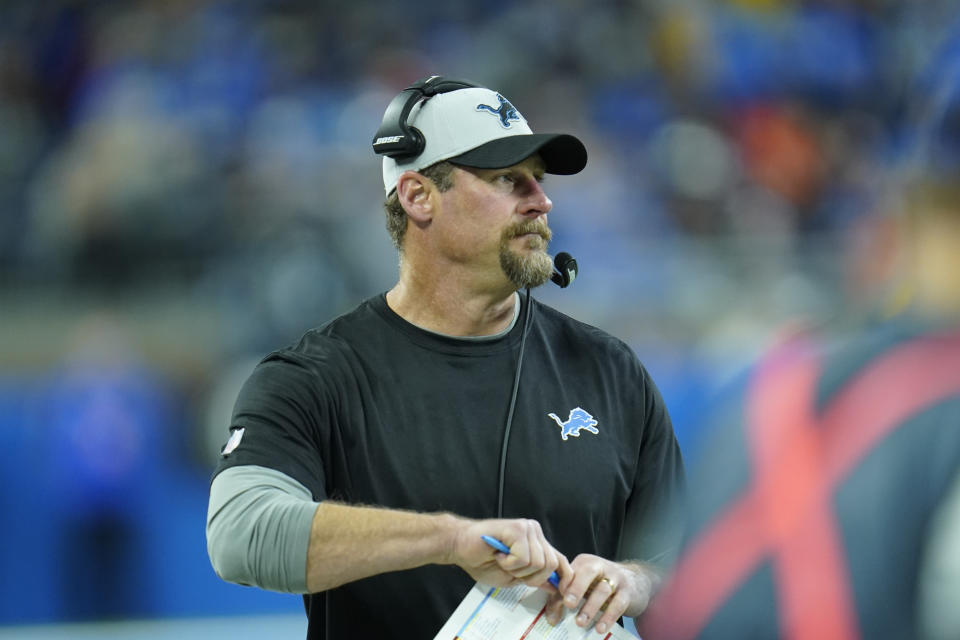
[(258, 528)]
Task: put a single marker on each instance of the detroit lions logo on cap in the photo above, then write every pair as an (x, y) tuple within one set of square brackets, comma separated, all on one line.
[(579, 419), (505, 111)]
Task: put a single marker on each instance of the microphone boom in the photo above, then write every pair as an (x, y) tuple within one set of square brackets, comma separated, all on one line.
[(566, 270)]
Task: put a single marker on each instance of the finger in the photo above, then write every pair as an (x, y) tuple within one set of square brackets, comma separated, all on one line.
[(584, 575), (507, 562), (615, 608), (519, 551), (537, 545), (554, 567), (534, 548), (554, 610), (564, 570), (541, 578), (517, 563), (566, 573), (601, 592)]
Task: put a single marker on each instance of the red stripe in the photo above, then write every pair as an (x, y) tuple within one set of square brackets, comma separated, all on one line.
[(813, 581), (913, 377), (809, 569)]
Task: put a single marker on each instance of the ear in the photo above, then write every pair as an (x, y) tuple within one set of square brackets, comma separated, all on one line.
[(415, 194)]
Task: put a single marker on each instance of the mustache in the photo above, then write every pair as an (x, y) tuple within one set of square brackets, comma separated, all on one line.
[(523, 228)]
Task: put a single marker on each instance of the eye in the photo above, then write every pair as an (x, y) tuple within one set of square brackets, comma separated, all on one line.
[(505, 178)]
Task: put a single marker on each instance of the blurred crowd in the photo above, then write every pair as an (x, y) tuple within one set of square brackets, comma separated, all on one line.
[(185, 184)]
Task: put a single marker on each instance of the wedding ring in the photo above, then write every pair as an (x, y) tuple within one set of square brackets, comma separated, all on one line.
[(613, 586)]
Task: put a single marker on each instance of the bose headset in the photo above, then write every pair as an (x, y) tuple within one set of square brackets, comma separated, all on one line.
[(397, 139)]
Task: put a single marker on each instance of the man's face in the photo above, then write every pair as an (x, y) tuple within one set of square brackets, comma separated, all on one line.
[(498, 217)]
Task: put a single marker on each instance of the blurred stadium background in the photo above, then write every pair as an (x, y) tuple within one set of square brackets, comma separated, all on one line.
[(187, 184)]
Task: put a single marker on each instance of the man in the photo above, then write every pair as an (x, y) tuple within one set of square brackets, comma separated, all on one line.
[(366, 461), (828, 504)]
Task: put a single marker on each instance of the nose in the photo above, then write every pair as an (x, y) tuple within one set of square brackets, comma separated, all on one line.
[(535, 202)]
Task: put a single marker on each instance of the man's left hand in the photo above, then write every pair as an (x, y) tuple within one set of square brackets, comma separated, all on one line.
[(605, 588)]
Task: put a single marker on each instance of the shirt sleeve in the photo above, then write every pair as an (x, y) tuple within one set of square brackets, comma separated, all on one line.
[(282, 420), (653, 528)]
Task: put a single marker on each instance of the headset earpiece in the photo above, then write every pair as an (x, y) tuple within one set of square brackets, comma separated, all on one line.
[(397, 139)]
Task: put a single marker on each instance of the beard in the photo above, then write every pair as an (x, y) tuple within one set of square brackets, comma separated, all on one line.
[(534, 267)]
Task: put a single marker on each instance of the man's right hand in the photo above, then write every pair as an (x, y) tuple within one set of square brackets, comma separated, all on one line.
[(531, 559)]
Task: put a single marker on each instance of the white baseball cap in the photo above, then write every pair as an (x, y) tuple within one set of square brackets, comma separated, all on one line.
[(477, 127)]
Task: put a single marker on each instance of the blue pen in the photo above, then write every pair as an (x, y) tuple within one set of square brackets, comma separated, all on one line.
[(499, 546)]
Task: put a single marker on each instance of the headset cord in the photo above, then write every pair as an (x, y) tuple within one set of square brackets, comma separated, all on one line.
[(513, 404)]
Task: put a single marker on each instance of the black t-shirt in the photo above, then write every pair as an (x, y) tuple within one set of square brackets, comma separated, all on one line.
[(370, 409)]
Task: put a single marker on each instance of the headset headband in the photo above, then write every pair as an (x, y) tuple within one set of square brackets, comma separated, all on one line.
[(395, 138)]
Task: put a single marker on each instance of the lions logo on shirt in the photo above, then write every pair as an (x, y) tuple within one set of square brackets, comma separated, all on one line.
[(579, 419)]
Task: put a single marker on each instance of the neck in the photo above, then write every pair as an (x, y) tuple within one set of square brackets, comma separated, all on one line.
[(449, 305)]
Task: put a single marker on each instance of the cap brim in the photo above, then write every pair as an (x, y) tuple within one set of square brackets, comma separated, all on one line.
[(562, 153)]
